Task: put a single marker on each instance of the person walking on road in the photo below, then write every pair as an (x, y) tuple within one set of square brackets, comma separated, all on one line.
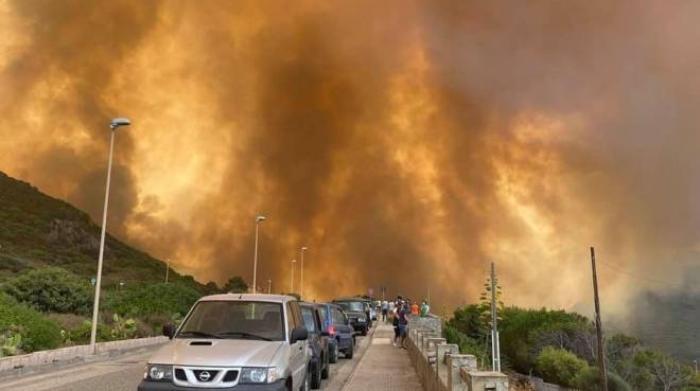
[(424, 309), (385, 310), (414, 309)]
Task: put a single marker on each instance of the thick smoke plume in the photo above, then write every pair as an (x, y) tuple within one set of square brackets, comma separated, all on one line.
[(407, 143)]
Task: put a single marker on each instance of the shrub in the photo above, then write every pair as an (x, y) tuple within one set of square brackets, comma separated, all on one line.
[(37, 332), (51, 289), (559, 366), (589, 380), (466, 344), (153, 299)]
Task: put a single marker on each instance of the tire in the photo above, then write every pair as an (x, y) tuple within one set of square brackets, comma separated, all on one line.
[(364, 331), (333, 354), (349, 352), (326, 368), (316, 376)]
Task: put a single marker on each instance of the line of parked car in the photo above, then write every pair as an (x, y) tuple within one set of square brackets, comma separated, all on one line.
[(245, 342)]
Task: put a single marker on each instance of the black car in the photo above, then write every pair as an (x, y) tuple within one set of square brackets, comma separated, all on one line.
[(337, 324), (318, 341), (358, 313)]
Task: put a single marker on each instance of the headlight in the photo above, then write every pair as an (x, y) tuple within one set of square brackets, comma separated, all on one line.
[(258, 375), (158, 372), (361, 320)]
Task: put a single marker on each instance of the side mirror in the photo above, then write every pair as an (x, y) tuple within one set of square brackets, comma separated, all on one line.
[(169, 330), (299, 334), (325, 334)]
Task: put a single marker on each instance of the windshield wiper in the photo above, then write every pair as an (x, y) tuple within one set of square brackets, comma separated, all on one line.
[(244, 334), (198, 334)]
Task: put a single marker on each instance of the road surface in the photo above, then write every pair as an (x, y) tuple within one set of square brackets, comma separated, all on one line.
[(124, 373)]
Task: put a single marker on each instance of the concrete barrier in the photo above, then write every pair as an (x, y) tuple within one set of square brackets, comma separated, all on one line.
[(14, 363), (439, 365)]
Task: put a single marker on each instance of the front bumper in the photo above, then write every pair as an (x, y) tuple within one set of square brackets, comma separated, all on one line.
[(165, 386), (360, 326)]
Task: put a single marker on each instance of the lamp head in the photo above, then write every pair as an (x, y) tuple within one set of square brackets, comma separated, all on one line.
[(260, 218), (121, 121), (304, 248)]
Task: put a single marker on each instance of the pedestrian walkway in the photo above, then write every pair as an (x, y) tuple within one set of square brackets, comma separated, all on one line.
[(384, 367)]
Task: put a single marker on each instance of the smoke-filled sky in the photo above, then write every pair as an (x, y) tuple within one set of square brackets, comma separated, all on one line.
[(406, 143)]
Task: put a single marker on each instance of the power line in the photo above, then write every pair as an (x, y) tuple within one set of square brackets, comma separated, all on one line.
[(622, 270)]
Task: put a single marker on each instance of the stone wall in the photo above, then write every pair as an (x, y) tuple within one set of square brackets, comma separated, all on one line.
[(16, 364), (440, 366)]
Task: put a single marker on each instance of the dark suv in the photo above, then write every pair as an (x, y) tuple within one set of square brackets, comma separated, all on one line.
[(337, 324), (357, 311), (318, 342)]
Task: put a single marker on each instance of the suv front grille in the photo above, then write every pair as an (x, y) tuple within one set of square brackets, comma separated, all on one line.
[(231, 376), (205, 375), (180, 374)]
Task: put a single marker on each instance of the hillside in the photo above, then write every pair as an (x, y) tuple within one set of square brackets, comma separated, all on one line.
[(38, 230)]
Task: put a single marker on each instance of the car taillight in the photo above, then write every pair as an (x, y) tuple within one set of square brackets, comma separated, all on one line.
[(331, 330)]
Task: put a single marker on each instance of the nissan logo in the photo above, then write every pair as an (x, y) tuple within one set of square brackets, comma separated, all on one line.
[(204, 376)]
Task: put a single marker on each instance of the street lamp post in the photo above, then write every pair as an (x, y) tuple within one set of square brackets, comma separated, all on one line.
[(259, 219), (291, 280), (269, 286), (116, 123), (301, 266), (167, 270)]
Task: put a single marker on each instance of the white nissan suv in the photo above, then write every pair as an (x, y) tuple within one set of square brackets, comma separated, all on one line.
[(238, 342)]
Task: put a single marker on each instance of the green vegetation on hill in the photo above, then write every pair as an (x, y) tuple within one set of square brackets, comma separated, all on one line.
[(37, 230), (48, 256), (560, 347)]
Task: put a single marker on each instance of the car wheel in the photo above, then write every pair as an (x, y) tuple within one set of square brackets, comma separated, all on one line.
[(364, 331), (316, 376), (326, 367), (350, 351), (333, 354)]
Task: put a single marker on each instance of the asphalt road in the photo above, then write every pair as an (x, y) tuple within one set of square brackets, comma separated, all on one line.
[(124, 373)]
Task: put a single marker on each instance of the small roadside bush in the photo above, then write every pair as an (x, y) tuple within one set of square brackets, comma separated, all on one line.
[(51, 289), (153, 299), (466, 344), (559, 366), (589, 380), (36, 331)]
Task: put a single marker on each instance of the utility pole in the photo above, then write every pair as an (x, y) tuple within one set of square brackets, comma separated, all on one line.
[(167, 270), (696, 366), (599, 327), (269, 286), (291, 280), (301, 283), (495, 343)]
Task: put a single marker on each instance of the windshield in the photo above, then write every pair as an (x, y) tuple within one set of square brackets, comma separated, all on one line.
[(356, 306), (234, 320)]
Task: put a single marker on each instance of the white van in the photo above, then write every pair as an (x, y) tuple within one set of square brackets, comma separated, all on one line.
[(237, 342)]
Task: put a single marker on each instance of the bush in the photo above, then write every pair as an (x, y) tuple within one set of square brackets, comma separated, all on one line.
[(559, 366), (153, 299), (466, 344), (37, 332), (51, 289), (589, 380)]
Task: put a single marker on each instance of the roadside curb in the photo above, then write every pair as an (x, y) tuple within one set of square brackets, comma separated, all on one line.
[(57, 358)]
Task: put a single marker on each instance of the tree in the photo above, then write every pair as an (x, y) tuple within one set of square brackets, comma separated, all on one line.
[(559, 366), (236, 284), (210, 288), (669, 373)]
